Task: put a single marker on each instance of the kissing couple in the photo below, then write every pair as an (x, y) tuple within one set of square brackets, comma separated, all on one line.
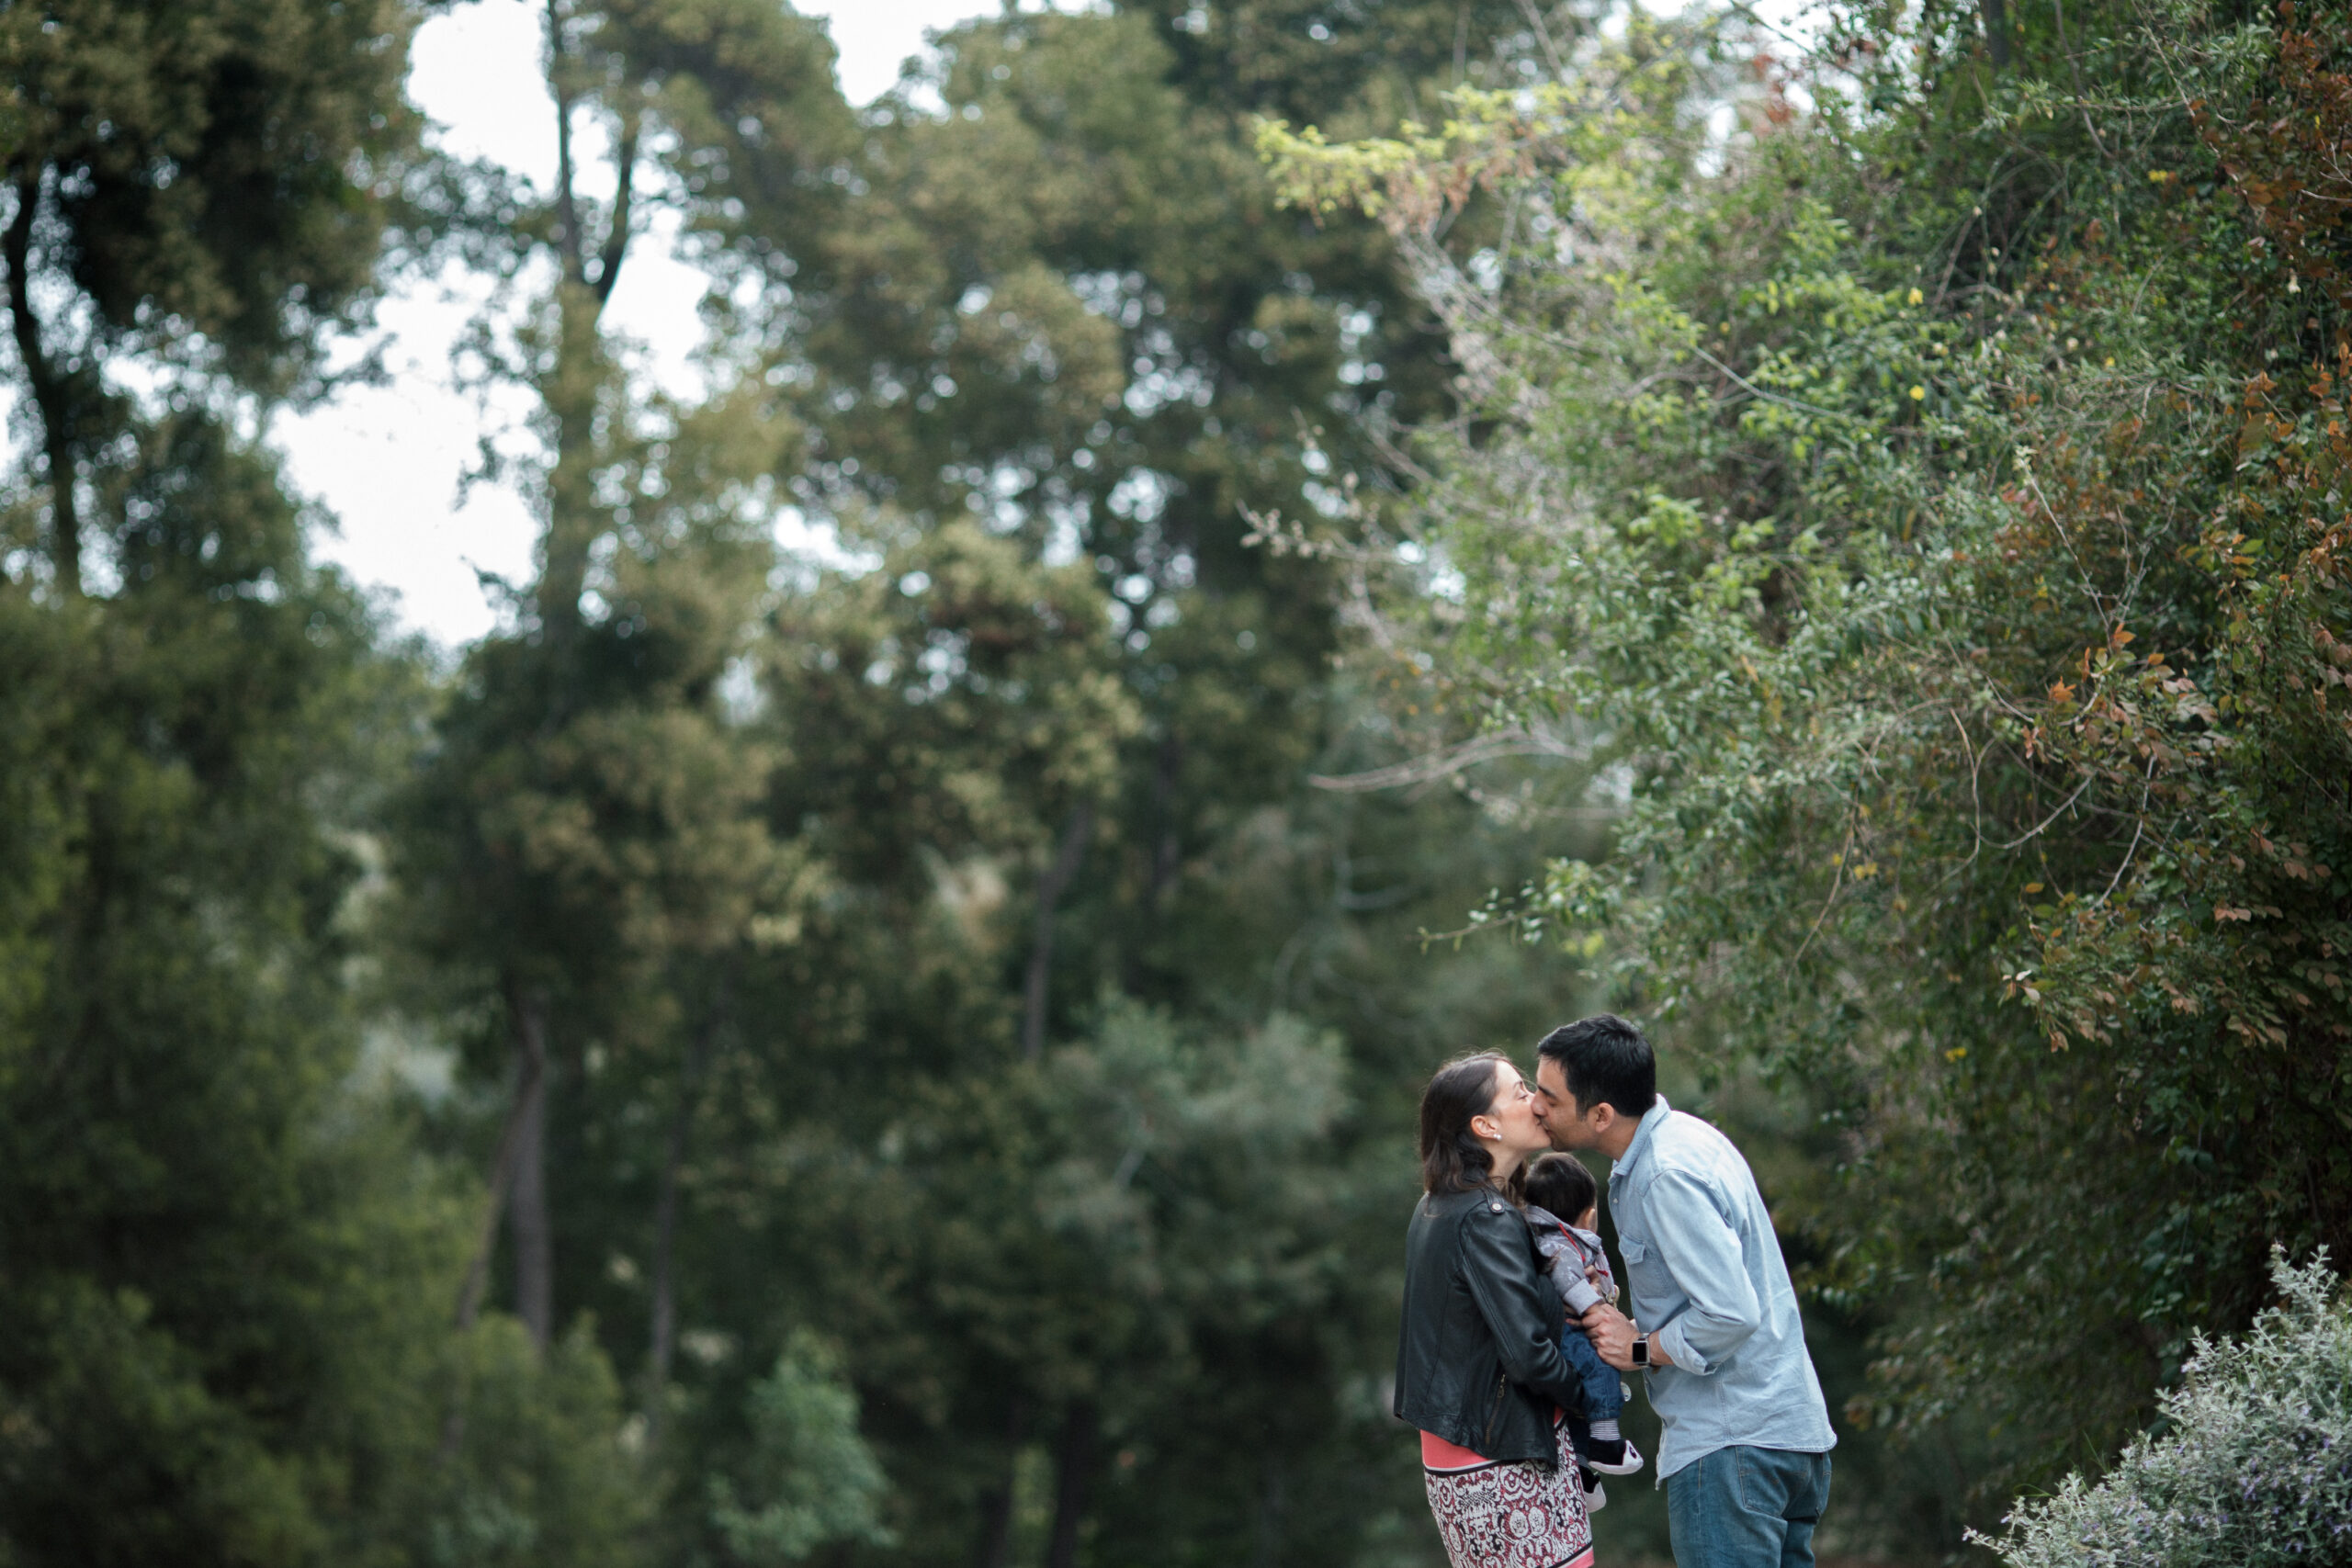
[(1516, 1336)]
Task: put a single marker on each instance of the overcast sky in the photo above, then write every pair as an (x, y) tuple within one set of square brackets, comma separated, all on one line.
[(386, 461)]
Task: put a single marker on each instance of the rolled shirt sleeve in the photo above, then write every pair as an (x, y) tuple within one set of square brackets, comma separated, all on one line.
[(1704, 1274), (1699, 1248)]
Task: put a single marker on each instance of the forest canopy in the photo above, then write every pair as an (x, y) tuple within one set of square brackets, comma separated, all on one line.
[(1356, 533)]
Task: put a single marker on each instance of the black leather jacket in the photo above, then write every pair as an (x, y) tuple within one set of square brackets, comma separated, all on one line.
[(1479, 1358)]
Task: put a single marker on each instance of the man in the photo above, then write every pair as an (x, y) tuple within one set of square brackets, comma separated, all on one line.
[(1715, 1327)]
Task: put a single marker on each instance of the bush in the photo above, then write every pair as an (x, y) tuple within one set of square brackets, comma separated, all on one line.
[(812, 1478), (2253, 1466), (542, 1476)]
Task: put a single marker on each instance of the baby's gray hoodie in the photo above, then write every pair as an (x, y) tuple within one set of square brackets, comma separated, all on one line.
[(1567, 1253)]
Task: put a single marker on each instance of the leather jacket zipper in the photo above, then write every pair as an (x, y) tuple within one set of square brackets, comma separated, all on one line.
[(1495, 1413)]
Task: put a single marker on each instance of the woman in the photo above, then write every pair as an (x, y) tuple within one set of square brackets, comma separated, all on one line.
[(1478, 1370)]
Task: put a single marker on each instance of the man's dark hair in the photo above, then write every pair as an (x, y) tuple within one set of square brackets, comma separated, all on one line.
[(1606, 1062), (1562, 1184)]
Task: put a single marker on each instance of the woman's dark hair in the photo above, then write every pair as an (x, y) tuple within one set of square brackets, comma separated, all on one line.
[(1453, 1160), (1562, 1184)]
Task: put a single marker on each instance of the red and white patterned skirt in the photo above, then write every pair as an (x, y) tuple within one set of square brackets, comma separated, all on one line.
[(1506, 1516)]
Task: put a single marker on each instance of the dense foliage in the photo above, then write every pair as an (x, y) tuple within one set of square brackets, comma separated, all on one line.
[(1925, 507), (906, 1054), (764, 1056)]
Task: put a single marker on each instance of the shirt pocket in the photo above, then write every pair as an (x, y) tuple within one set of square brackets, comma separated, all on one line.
[(1645, 1276)]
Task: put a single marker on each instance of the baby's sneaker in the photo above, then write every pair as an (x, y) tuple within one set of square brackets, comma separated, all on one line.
[(1628, 1462), (1596, 1496)]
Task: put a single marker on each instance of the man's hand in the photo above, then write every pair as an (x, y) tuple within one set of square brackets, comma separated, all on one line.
[(1612, 1333)]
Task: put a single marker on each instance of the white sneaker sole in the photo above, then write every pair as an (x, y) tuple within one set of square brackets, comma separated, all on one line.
[(1631, 1464)]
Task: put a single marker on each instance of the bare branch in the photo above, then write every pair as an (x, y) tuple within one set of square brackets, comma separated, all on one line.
[(2037, 828), (1515, 741), (616, 238)]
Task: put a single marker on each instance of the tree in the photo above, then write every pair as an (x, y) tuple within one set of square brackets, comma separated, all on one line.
[(206, 186), (570, 728), (1067, 314), (797, 930), (1040, 744), (210, 1223), (212, 1212), (1922, 563)]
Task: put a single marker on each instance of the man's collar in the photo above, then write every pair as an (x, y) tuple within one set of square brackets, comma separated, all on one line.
[(1650, 1119)]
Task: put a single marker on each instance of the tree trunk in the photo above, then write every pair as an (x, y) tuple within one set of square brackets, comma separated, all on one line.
[(996, 1506), (1997, 32), (1167, 858), (1051, 888), (570, 390), (1270, 1509), (529, 1083), (53, 397), (571, 386), (1168, 849), (1073, 1481), (570, 243), (664, 1323), (528, 1194), (529, 1069)]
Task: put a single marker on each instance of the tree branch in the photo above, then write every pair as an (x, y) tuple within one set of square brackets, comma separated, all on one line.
[(616, 237), (1514, 742)]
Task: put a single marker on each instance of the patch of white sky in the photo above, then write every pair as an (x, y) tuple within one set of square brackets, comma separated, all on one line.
[(386, 463)]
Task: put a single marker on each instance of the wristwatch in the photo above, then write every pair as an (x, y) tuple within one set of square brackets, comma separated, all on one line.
[(1641, 1349)]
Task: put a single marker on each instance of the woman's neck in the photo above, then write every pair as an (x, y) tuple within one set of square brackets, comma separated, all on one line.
[(1502, 1164)]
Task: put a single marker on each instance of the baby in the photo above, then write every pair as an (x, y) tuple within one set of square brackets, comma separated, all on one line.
[(1557, 1186)]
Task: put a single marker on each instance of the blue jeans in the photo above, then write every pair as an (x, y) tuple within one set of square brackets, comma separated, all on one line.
[(1742, 1507), (1604, 1392)]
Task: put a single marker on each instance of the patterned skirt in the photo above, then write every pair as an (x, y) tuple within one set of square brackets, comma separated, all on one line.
[(1506, 1516)]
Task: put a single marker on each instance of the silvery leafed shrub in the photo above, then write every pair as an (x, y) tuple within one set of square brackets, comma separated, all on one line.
[(2254, 1465)]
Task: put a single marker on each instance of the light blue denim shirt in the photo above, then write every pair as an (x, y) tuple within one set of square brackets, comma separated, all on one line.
[(1705, 1276)]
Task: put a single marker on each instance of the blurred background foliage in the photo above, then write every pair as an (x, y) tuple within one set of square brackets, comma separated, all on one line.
[(1832, 544)]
